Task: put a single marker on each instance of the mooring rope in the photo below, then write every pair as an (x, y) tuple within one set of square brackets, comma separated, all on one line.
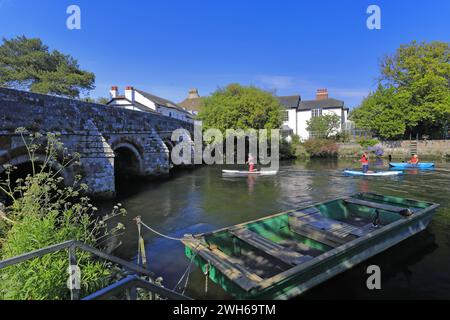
[(186, 273), (160, 234)]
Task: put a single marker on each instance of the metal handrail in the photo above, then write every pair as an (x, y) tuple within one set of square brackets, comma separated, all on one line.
[(71, 246), (132, 283)]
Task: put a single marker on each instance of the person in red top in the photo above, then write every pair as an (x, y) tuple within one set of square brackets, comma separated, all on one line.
[(365, 162), (414, 159), (251, 162)]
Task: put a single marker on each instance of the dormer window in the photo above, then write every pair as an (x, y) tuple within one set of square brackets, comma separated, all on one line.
[(316, 112)]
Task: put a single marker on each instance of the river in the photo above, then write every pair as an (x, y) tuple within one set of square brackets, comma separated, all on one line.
[(200, 200)]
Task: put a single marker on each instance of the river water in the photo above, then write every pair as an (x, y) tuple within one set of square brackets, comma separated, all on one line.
[(200, 200)]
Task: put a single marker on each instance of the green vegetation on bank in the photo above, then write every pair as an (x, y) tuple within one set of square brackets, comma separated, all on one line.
[(42, 212), (413, 94), (325, 126)]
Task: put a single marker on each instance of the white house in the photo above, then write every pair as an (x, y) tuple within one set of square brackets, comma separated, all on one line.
[(298, 112), (139, 100)]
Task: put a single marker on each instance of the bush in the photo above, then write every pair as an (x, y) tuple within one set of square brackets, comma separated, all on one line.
[(42, 214), (286, 150), (293, 149), (321, 148), (350, 151), (367, 142), (343, 136)]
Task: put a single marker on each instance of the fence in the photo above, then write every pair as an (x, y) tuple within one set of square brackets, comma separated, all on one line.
[(130, 283)]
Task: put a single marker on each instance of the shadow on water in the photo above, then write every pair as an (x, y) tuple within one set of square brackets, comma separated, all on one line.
[(397, 273), (201, 200)]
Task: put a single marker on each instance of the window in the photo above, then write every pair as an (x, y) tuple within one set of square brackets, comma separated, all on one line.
[(286, 116), (316, 112)]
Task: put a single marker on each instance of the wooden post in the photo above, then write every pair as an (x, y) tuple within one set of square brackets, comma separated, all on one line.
[(74, 275), (132, 293)]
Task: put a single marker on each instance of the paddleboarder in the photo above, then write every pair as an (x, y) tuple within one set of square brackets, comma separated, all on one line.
[(251, 162), (364, 162)]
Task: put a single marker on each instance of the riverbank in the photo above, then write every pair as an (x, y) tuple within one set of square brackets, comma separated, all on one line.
[(432, 149)]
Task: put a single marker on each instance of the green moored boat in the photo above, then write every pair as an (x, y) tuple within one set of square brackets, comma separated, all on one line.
[(283, 255)]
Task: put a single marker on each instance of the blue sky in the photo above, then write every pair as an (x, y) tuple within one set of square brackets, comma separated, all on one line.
[(292, 47)]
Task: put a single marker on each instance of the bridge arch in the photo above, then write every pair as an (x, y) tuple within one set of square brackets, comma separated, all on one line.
[(20, 158), (128, 160)]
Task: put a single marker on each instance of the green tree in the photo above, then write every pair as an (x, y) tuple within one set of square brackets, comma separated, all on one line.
[(382, 112), (102, 100), (413, 93), (27, 64), (324, 126), (240, 107)]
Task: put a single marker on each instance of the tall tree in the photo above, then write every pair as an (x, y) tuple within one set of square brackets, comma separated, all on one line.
[(27, 64), (413, 92), (240, 107), (324, 126)]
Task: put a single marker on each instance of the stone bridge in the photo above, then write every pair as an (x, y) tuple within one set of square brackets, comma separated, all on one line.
[(109, 140)]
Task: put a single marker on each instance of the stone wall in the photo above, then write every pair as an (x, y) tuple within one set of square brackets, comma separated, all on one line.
[(401, 149), (92, 130), (431, 148)]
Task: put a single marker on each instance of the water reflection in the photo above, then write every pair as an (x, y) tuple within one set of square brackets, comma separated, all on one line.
[(202, 200)]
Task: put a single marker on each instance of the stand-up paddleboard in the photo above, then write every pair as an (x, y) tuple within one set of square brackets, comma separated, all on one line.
[(248, 173), (372, 173), (405, 165)]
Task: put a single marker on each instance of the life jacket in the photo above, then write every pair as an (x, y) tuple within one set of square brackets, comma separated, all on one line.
[(414, 160), (364, 160)]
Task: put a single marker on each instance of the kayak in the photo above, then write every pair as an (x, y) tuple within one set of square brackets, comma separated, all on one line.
[(248, 173), (373, 173), (405, 165)]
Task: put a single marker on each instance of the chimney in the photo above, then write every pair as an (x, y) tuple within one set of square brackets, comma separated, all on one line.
[(129, 93), (322, 94), (114, 92), (193, 94)]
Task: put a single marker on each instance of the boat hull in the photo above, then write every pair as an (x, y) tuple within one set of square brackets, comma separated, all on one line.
[(300, 278), (248, 173), (373, 174), (345, 259), (404, 165)]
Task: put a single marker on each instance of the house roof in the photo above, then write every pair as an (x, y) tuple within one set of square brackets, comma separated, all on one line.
[(322, 104), (131, 104), (290, 102), (193, 104), (162, 102)]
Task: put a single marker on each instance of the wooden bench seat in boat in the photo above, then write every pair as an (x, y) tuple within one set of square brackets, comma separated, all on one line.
[(271, 248), (246, 279), (386, 207), (325, 230)]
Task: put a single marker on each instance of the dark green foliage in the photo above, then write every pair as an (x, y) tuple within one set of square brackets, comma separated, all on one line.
[(325, 126), (413, 95), (366, 143), (239, 107), (27, 64), (293, 149)]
